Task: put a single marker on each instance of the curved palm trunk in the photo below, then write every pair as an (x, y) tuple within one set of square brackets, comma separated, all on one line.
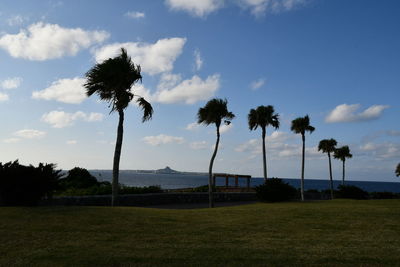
[(302, 167), (117, 156), (343, 174), (264, 155), (210, 180), (330, 174)]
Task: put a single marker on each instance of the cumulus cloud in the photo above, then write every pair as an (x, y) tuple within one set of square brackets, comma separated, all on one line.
[(198, 145), (15, 20), (3, 97), (163, 139), (196, 8), (381, 150), (135, 14), (153, 58), (192, 126), (11, 83), (225, 128), (257, 84), (69, 91), (30, 134), (41, 41), (198, 61), (190, 91), (261, 7), (72, 142), (348, 113), (61, 119)]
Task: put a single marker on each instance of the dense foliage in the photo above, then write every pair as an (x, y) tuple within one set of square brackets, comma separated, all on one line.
[(78, 178), (26, 185), (274, 190), (351, 191)]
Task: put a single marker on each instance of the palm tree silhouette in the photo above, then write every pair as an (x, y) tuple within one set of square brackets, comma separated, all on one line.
[(112, 81), (214, 112), (302, 125), (398, 170), (328, 146), (262, 117), (342, 153)]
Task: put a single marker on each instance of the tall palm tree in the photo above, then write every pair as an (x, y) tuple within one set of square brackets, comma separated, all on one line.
[(398, 170), (262, 117), (342, 153), (302, 125), (112, 81), (214, 112), (328, 146)]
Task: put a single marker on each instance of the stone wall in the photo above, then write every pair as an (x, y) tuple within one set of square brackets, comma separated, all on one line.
[(149, 199)]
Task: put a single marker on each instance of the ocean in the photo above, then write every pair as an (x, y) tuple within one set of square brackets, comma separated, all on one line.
[(175, 181)]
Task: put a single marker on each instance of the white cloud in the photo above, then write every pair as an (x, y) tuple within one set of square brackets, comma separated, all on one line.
[(61, 119), (198, 145), (198, 8), (198, 61), (381, 150), (257, 84), (153, 58), (11, 140), (3, 97), (163, 139), (135, 14), (72, 142), (30, 134), (168, 81), (192, 126), (15, 20), (190, 91), (225, 128), (348, 113), (261, 7), (11, 83), (69, 91), (49, 41)]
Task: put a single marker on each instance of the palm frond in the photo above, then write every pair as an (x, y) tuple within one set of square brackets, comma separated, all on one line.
[(146, 107)]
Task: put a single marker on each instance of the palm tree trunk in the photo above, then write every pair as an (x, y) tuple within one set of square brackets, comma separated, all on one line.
[(264, 155), (330, 174), (117, 156), (302, 167), (343, 173), (210, 180)]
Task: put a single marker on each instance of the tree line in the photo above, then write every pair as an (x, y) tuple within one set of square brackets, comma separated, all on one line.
[(113, 79)]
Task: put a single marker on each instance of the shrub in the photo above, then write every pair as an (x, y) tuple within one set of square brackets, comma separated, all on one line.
[(274, 190), (350, 191), (26, 185), (140, 190), (78, 178)]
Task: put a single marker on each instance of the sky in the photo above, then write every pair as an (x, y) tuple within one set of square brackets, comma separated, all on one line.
[(336, 60)]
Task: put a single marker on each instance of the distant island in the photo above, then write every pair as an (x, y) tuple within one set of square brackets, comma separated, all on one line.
[(166, 170)]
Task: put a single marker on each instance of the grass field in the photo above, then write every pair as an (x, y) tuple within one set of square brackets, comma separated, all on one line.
[(326, 233)]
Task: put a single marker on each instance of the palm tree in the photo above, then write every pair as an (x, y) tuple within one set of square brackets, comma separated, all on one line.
[(262, 117), (112, 81), (214, 112), (398, 170), (328, 146), (302, 125), (342, 153)]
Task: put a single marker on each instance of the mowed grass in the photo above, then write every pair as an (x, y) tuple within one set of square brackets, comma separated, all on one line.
[(325, 233)]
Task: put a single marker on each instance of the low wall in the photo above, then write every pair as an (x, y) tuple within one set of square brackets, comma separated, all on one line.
[(150, 199)]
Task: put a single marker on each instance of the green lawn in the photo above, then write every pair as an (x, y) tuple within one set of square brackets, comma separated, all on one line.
[(326, 233)]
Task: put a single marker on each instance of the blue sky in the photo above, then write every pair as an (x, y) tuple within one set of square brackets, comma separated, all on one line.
[(337, 61)]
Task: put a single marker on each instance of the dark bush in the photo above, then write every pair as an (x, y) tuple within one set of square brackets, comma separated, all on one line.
[(104, 188), (25, 185), (274, 190), (384, 195), (78, 178), (140, 190), (351, 191)]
